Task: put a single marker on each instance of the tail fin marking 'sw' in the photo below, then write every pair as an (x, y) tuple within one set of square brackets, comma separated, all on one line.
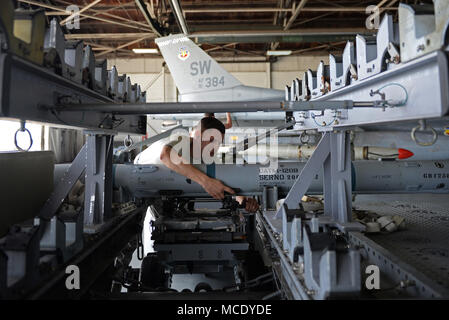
[(193, 70)]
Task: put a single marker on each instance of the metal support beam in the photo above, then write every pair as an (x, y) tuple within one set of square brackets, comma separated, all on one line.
[(309, 9), (308, 239), (45, 88), (293, 36), (221, 47), (333, 155), (77, 13), (124, 45), (248, 143), (295, 14), (95, 159), (321, 47), (308, 173), (179, 16), (155, 27), (337, 181), (98, 179), (64, 186), (153, 139), (100, 47), (296, 36), (206, 107), (107, 36), (47, 6), (101, 11)]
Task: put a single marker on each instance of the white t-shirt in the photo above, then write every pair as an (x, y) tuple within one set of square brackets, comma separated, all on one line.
[(152, 154)]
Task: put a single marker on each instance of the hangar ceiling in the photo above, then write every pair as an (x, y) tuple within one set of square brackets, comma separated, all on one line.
[(224, 28)]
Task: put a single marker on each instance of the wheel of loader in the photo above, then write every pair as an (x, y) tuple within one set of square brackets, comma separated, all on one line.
[(153, 273)]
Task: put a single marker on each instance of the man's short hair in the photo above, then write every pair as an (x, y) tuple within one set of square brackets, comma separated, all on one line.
[(211, 123)]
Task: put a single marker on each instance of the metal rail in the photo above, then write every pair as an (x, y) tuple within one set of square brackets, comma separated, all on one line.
[(203, 107)]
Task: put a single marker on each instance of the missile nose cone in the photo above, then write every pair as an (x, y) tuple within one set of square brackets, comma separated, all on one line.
[(404, 154)]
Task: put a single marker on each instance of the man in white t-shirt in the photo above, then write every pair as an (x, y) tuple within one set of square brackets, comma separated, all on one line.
[(180, 155)]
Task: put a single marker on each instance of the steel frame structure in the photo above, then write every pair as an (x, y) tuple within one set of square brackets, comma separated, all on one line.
[(425, 79), (33, 77), (307, 245), (28, 90)]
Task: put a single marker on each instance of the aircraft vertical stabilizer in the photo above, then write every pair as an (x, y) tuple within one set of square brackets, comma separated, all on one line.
[(192, 68)]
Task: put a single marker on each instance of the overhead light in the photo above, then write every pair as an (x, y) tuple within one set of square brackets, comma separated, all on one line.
[(279, 52), (145, 50)]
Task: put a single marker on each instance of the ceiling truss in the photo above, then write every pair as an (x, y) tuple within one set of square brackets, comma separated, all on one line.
[(225, 28)]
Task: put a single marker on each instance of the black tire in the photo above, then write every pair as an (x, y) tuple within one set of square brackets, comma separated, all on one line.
[(152, 273), (203, 287)]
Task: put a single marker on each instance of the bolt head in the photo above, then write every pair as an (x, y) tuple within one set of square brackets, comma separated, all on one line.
[(310, 292)]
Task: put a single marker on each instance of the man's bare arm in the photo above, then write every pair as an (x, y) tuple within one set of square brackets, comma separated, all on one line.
[(228, 123), (212, 186), (251, 204)]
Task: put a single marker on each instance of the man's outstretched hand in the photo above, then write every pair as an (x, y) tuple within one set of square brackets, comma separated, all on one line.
[(216, 188), (251, 204)]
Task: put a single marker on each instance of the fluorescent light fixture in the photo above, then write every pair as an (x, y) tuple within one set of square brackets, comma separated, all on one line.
[(279, 52), (145, 50)]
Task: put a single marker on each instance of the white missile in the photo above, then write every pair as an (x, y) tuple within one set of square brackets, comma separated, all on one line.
[(298, 152)]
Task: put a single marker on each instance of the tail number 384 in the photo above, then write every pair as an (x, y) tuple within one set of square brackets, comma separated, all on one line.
[(211, 82)]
